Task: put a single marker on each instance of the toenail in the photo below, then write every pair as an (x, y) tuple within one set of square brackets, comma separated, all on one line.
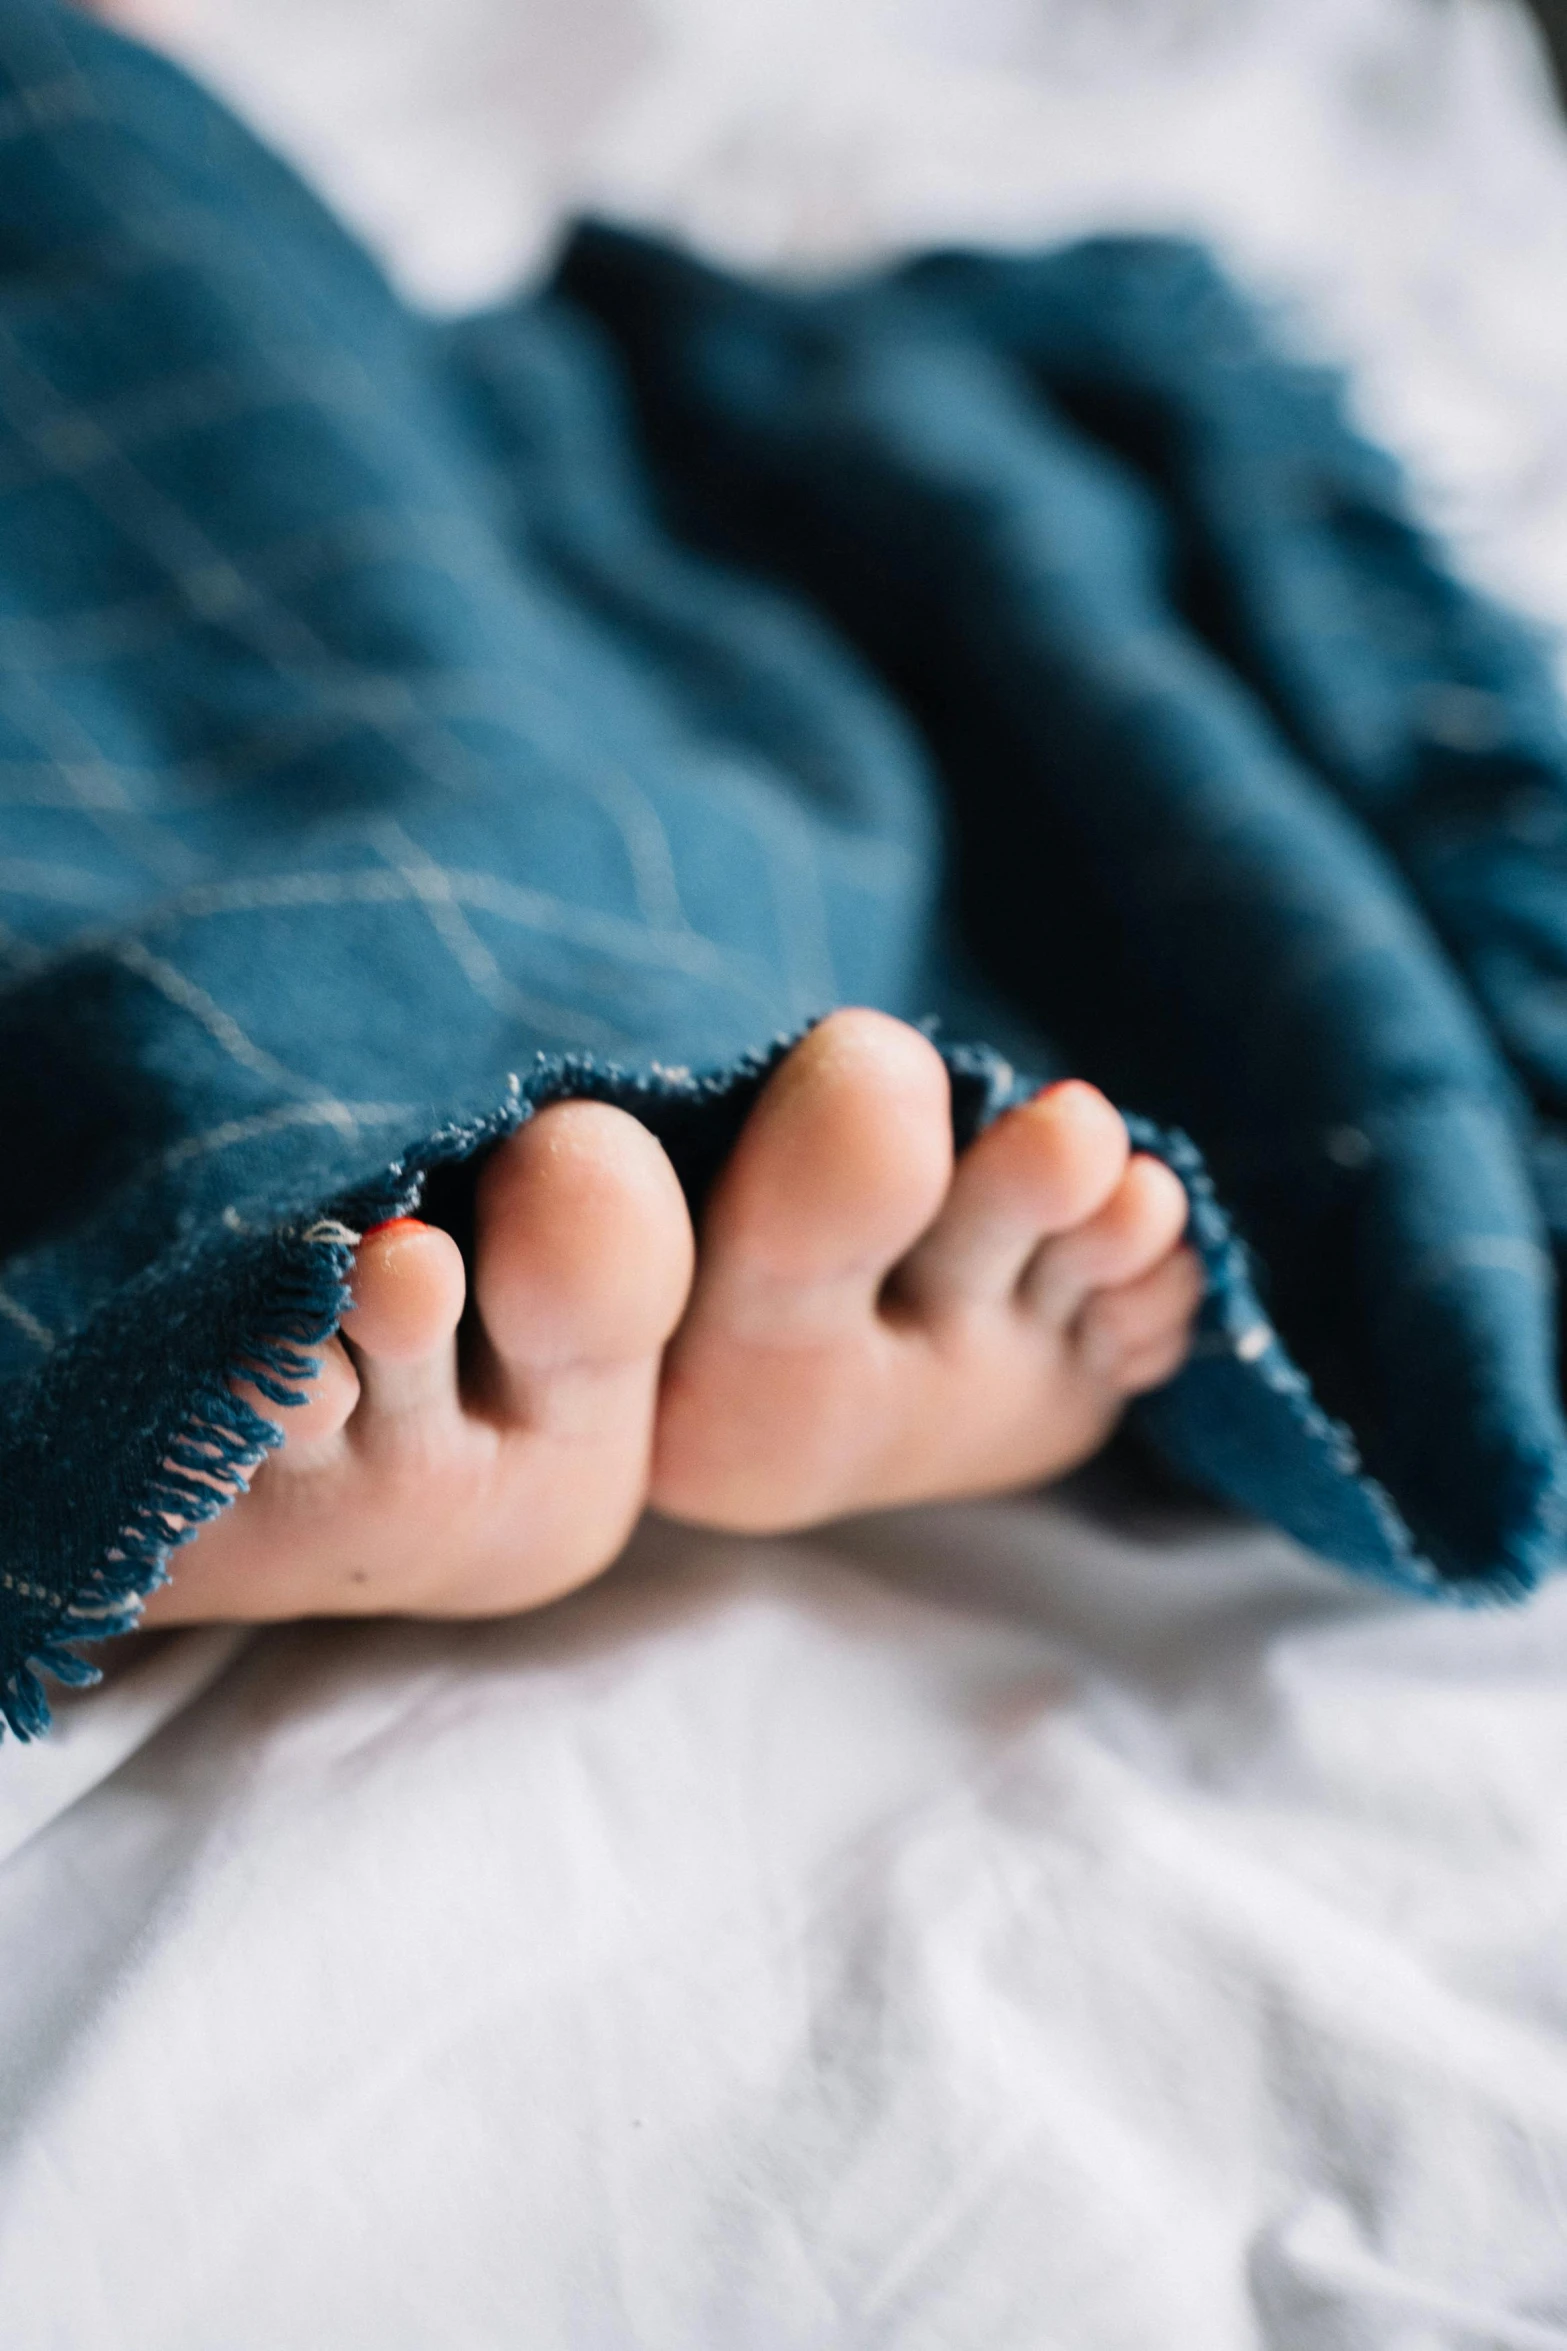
[(397, 1224), (1068, 1086)]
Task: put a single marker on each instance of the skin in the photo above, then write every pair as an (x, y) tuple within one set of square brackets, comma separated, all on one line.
[(860, 1323)]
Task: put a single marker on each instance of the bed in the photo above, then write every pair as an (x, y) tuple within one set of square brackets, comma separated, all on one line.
[(1071, 1921)]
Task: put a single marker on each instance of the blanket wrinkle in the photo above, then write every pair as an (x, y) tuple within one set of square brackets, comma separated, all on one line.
[(405, 724)]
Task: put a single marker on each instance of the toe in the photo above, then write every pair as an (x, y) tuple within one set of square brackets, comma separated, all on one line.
[(1137, 1335), (780, 1379), (1139, 1224), (1044, 1168), (584, 1255), (409, 1287), (502, 1488), (316, 1423), (842, 1163)]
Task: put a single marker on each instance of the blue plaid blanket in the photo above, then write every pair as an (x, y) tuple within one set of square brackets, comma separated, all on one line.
[(403, 725)]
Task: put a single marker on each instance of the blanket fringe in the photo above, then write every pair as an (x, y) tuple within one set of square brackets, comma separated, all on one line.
[(206, 1458), (206, 1464)]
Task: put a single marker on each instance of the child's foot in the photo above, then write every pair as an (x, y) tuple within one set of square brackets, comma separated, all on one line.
[(417, 1483), (868, 1325), (872, 1324)]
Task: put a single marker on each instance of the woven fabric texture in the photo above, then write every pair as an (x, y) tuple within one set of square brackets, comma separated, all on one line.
[(403, 725)]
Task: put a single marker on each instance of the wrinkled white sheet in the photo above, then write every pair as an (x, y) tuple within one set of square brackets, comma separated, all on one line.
[(971, 1930), (978, 1929)]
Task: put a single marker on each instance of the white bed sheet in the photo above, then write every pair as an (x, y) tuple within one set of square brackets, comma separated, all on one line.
[(978, 1928), (972, 1930)]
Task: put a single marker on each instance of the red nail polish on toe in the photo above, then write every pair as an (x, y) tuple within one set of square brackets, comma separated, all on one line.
[(396, 1224)]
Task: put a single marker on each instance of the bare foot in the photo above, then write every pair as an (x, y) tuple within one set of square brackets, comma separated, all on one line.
[(407, 1484), (872, 1325), (869, 1325)]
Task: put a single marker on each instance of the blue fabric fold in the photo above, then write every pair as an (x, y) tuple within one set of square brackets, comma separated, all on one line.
[(403, 725)]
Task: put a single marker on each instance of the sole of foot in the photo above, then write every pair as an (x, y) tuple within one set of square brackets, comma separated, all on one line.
[(865, 1324)]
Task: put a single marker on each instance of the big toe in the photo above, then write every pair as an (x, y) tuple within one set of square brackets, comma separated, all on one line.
[(842, 1163), (584, 1250)]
